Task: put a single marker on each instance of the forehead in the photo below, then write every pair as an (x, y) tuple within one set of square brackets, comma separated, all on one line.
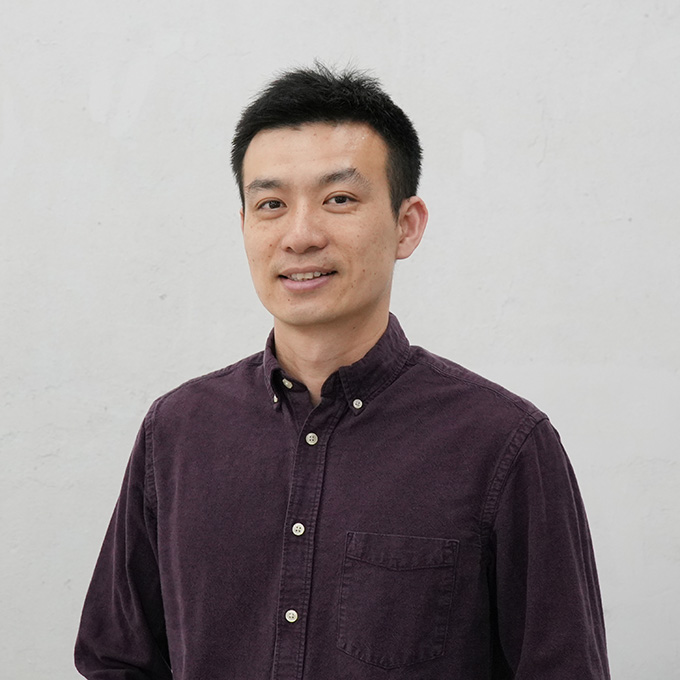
[(312, 149)]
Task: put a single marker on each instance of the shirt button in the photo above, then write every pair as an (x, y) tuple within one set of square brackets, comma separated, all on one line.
[(287, 383), (298, 529), (311, 439), (357, 403), (276, 399), (291, 616)]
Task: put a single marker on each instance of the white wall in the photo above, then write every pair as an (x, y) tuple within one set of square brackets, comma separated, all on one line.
[(551, 263)]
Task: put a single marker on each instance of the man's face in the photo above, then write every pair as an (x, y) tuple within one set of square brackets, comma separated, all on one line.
[(318, 227)]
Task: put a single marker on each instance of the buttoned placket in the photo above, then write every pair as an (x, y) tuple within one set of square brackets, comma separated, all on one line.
[(298, 538)]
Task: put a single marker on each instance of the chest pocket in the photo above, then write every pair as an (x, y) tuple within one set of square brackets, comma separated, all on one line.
[(395, 598)]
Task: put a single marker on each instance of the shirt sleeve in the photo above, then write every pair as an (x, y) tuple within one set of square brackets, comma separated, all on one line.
[(546, 596), (122, 629)]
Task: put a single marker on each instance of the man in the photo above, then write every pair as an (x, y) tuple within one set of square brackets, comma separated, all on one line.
[(341, 505)]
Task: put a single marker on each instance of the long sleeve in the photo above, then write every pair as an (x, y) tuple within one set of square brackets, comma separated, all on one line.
[(122, 630), (547, 601)]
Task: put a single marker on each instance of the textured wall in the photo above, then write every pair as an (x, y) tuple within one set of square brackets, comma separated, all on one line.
[(551, 262)]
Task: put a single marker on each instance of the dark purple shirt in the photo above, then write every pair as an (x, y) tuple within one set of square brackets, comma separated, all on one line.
[(419, 523)]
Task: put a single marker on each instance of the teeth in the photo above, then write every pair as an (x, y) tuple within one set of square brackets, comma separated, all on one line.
[(306, 276)]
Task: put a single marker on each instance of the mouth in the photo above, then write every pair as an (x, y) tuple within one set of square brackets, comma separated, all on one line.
[(305, 276)]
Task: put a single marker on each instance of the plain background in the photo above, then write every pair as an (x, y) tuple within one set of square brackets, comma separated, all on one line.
[(551, 261)]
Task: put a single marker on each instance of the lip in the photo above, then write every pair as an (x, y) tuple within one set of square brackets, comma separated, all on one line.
[(307, 284), (306, 270)]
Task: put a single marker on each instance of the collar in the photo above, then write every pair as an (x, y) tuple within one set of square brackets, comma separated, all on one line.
[(358, 383)]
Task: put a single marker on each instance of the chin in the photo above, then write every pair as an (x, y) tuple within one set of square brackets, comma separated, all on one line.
[(307, 315), (302, 320)]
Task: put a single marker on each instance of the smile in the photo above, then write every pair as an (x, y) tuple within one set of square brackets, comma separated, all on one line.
[(306, 276)]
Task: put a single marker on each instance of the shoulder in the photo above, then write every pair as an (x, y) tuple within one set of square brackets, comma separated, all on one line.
[(471, 396), (503, 432), (217, 389)]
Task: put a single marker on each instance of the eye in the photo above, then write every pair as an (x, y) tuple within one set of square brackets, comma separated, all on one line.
[(270, 204), (340, 199)]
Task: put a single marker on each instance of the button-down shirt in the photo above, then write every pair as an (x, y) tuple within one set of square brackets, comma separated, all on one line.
[(420, 522)]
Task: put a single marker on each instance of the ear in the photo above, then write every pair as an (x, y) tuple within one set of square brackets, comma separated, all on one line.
[(411, 223), (240, 212)]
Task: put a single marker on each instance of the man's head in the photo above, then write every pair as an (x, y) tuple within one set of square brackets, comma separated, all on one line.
[(322, 222), (319, 95)]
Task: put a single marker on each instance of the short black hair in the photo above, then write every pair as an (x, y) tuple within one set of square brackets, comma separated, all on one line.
[(321, 95)]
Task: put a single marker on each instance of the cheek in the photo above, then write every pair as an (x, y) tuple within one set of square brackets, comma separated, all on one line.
[(257, 250)]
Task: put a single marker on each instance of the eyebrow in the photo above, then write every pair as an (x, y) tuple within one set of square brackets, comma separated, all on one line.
[(263, 185), (351, 175)]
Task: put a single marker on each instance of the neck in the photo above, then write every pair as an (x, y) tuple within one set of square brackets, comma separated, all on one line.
[(311, 354)]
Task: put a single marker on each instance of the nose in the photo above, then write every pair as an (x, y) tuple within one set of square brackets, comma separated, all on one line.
[(304, 230)]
